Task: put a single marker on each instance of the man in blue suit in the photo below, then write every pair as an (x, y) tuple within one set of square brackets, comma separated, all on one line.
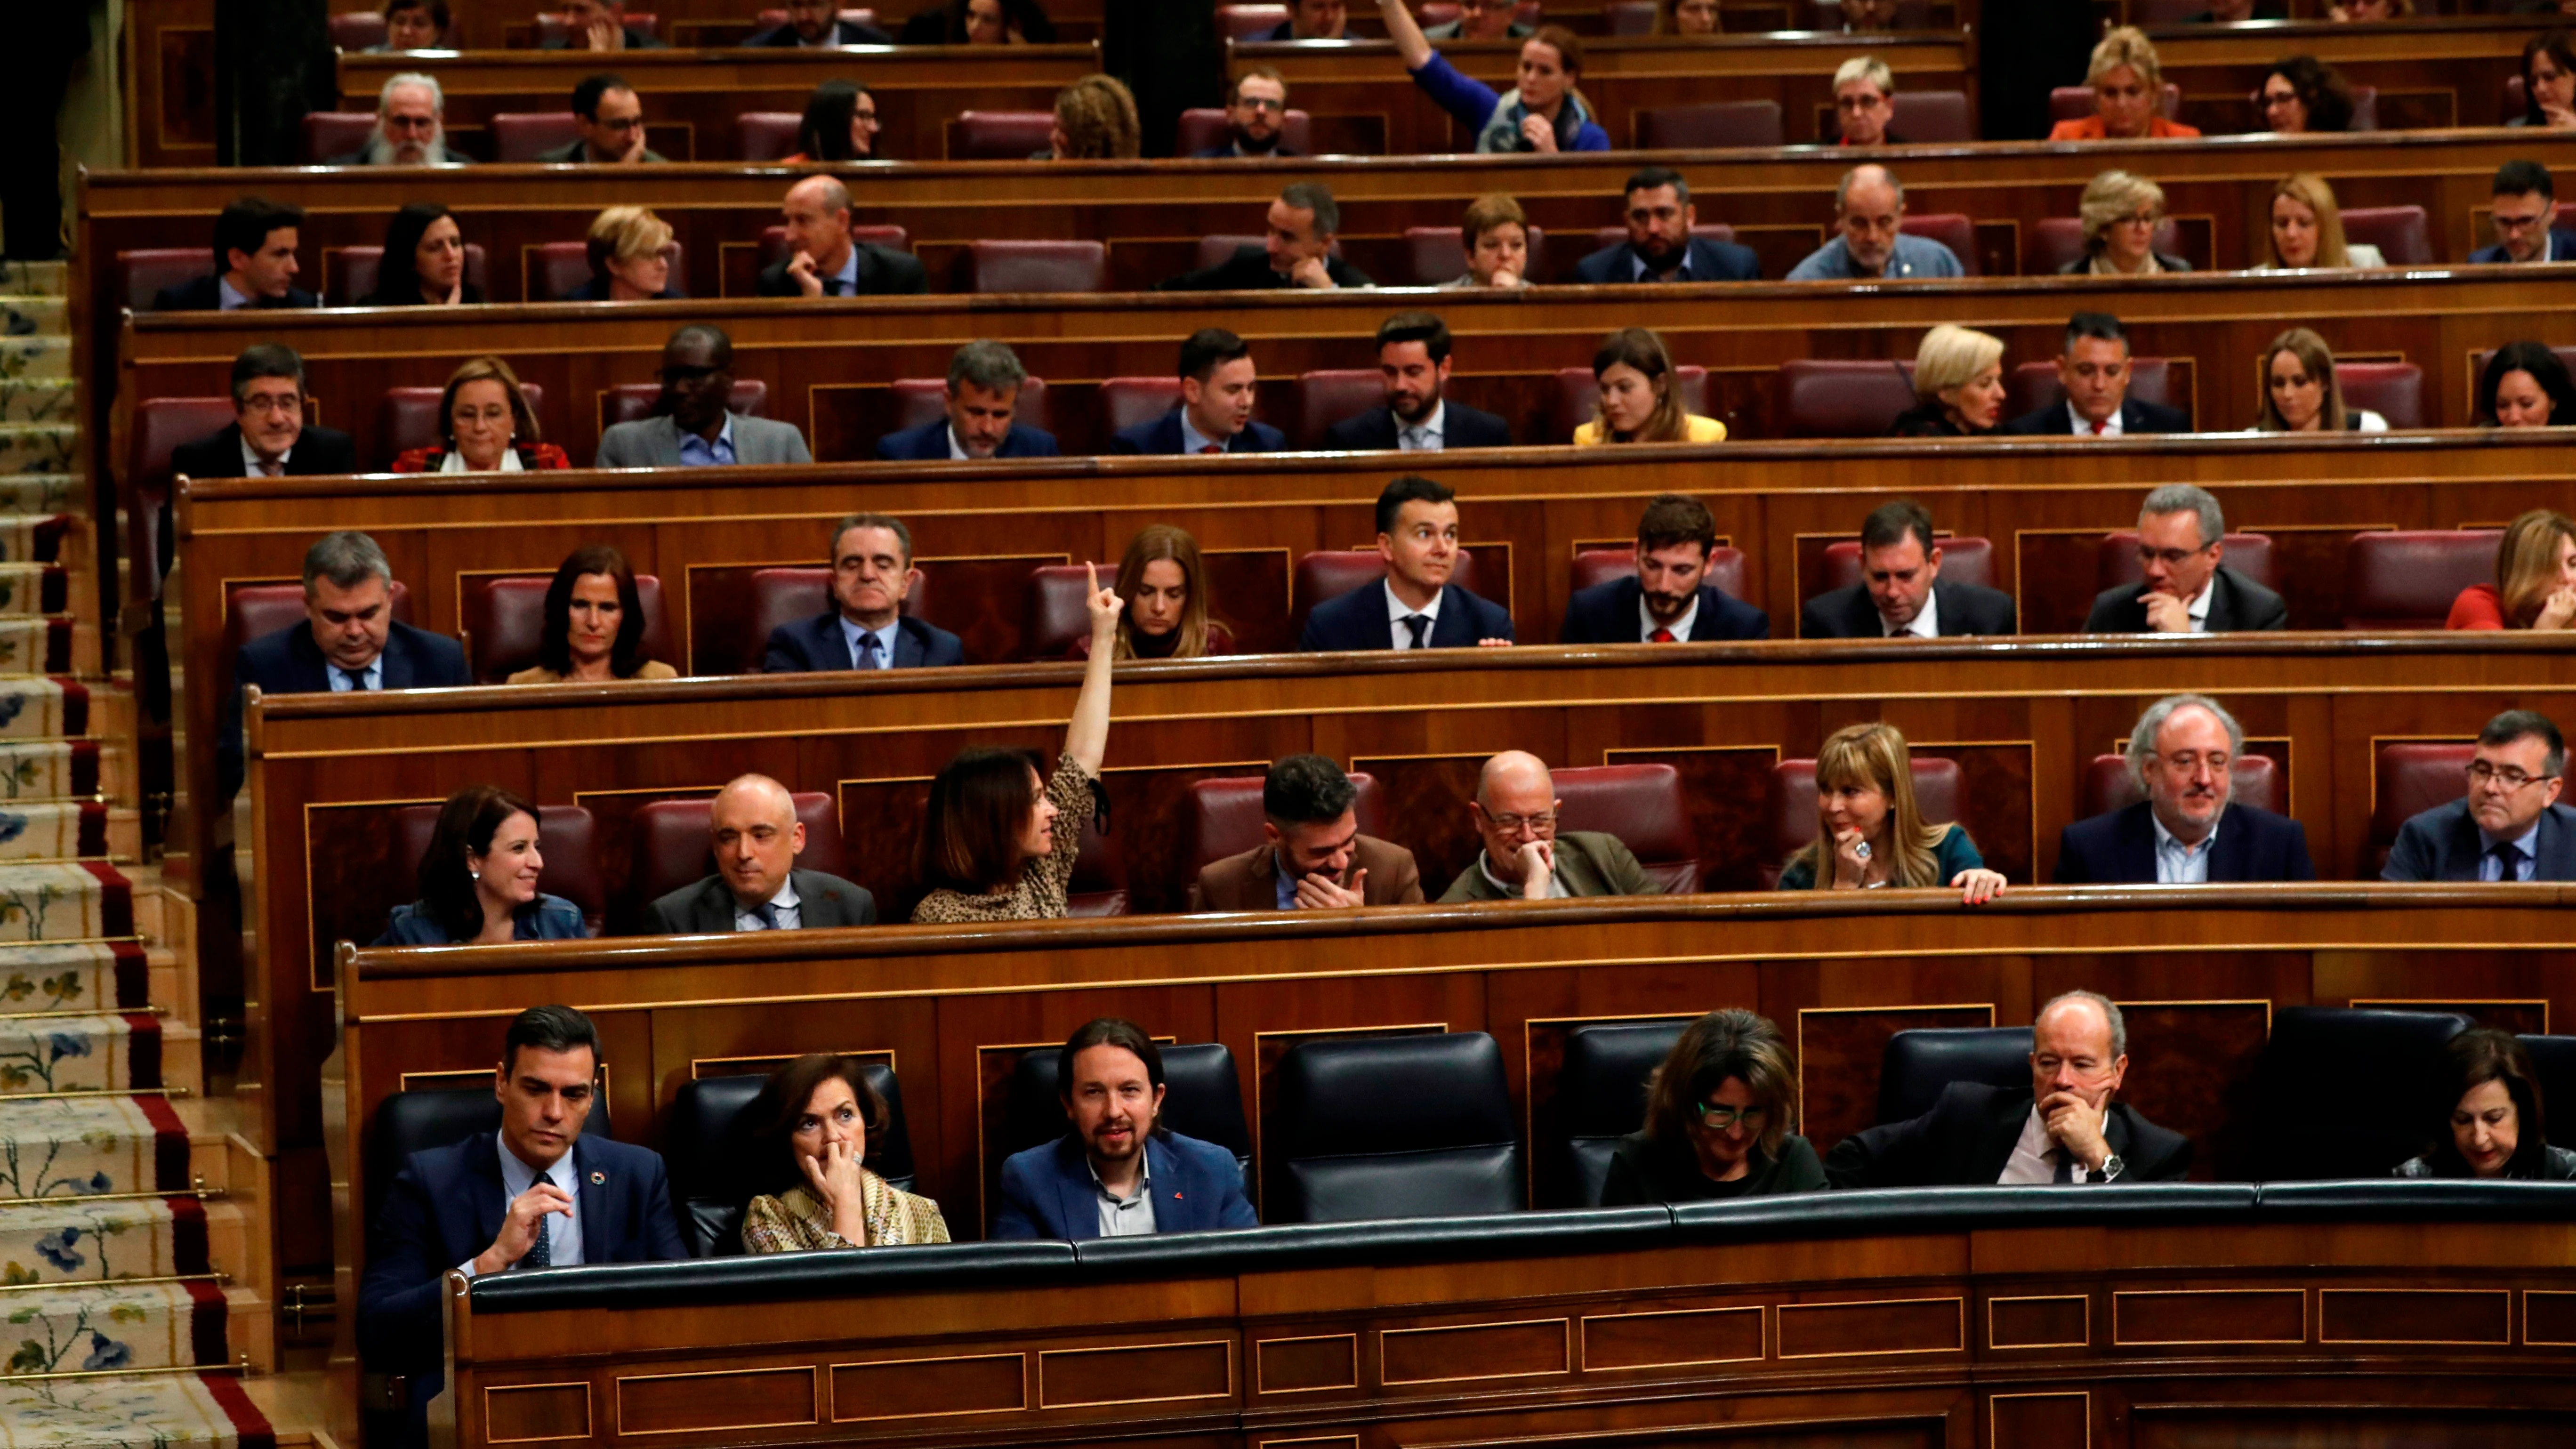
[(866, 627), (1414, 606), (1413, 358), (1668, 600), (1660, 247), (2526, 203), (1215, 415), (2510, 826), (349, 640), (2189, 830), (984, 380), (1117, 1172), (535, 1194)]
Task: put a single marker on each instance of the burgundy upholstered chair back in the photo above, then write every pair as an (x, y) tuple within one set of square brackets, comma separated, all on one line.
[(671, 848), (1963, 561), (2407, 579), (1643, 806), (1596, 566), (2407, 780), (1225, 817), (505, 623), (567, 837)]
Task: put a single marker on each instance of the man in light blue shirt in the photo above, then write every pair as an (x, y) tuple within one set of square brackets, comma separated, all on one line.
[(1869, 210)]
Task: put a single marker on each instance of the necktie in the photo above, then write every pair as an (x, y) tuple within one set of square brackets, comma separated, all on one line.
[(1420, 624), (831, 286), (868, 647), (1213, 448), (2508, 858), (271, 468), (2065, 1166), (1660, 636), (357, 679), (2098, 427), (767, 912), (541, 1253)]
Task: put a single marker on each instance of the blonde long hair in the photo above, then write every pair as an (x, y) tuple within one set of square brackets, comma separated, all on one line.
[(1874, 755), (2527, 563), (2311, 191), (2318, 359)]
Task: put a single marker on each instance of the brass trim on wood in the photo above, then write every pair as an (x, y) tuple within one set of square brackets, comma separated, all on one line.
[(2085, 1299), (1992, 1442), (2121, 1296), (1045, 1354), (1565, 1330), (1761, 1336), (1959, 1342), (815, 1390), (833, 1406), (587, 1424), (1261, 1386), (2504, 1293)]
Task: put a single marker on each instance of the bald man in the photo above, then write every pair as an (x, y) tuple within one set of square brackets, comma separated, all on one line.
[(1524, 857), (824, 261), (756, 837)]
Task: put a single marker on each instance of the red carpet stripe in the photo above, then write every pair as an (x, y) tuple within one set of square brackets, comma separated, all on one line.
[(143, 1050), (58, 646), (116, 899), (53, 593), (206, 1325), (248, 1421), (45, 541), (93, 829), (133, 975), (189, 1251), (84, 767), (169, 1144)]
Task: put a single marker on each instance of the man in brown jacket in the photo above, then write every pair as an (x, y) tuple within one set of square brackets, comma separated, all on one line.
[(1524, 856), (1312, 855)]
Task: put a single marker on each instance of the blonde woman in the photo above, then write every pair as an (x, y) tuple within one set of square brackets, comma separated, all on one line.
[(1869, 832), (2300, 394), (2535, 585), (1496, 236), (2121, 213), (1958, 384), (1721, 1120), (1638, 402), (2128, 94), (811, 1124), (1165, 588), (2307, 228), (1095, 120), (629, 258)]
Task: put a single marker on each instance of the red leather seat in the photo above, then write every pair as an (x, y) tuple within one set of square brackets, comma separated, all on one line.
[(1938, 785), (1578, 395), (554, 30), (919, 400), (1606, 237), (567, 838), (2407, 579), (563, 268), (1204, 126), (2115, 559), (1327, 396), (1215, 251), (1437, 254), (335, 133), (2394, 390), (1950, 229), (766, 135), (1225, 819), (1828, 15), (773, 240), (253, 611), (2407, 780), (1058, 616), (1643, 806), (2056, 241), (1932, 116), (2108, 785), (1596, 566), (1126, 401), (671, 848), (408, 418), (523, 135), (1711, 125), (778, 596), (2031, 386), (505, 621), (2074, 103), (1966, 560), (1831, 398), (633, 401), (774, 19), (142, 273), (1000, 135), (1330, 573), (1099, 884), (2165, 12), (2478, 364), (991, 267), (161, 424), (1628, 18), (1441, 12), (355, 276), (355, 30), (1249, 22)]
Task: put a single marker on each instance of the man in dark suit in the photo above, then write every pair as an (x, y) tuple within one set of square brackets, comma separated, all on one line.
[(2186, 589), (1668, 600), (1417, 535), (1525, 856), (872, 574), (411, 127), (1117, 1172), (756, 837), (824, 260), (535, 1194), (268, 436), (1296, 250), (1660, 247), (816, 23), (984, 382), (2094, 371), (1413, 357), (1215, 416), (610, 117), (2189, 830), (1312, 855), (1901, 594), (599, 25), (254, 263), (2526, 205), (2063, 1128), (349, 640), (2510, 826), (1256, 118)]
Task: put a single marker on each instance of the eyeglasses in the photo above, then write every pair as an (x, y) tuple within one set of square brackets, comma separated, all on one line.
[(1545, 820), (1261, 103), (2169, 557), (1722, 1119), (2482, 774)]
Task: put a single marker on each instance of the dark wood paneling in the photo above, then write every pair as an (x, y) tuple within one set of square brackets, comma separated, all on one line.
[(2210, 1316), (2418, 1317), (1838, 1056), (1884, 1326), (906, 1388)]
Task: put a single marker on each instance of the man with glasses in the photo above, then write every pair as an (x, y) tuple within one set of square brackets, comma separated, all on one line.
[(1256, 118), (2526, 210), (2185, 589), (610, 117), (2190, 830), (1525, 858), (865, 628), (2510, 826), (1481, 20), (694, 425), (1871, 241), (411, 127), (1864, 103)]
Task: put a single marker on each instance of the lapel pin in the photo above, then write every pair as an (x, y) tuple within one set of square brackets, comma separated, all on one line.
[(599, 1179)]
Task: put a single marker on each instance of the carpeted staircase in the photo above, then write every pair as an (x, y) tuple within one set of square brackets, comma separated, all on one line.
[(120, 1326)]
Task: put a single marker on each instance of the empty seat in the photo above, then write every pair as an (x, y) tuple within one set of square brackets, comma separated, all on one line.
[(567, 839), (1250, 22), (766, 135), (1630, 17), (1329, 396), (1126, 401), (353, 272), (630, 402), (355, 30), (2403, 234), (1937, 790), (2057, 241), (1099, 883), (1963, 561), (2406, 780), (2031, 386), (1711, 125), (2108, 786), (2115, 559), (1394, 1127), (525, 135), (505, 620), (1203, 128), (1916, 1066), (2353, 1080), (143, 272), (1225, 817), (2407, 579), (1202, 1098), (1932, 116), (161, 424), (1059, 612), (1437, 254), (1601, 1096), (1578, 395), (778, 596), (714, 1175), (335, 133), (1830, 398), (1643, 806), (408, 418), (670, 847), (2074, 103), (919, 400), (1000, 135), (2394, 390), (1331, 573), (1034, 266), (1595, 566)]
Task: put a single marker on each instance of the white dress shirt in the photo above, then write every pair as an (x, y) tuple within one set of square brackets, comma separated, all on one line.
[(1926, 623), (2034, 1157), (1681, 627), (851, 632), (226, 298), (2198, 608), (2084, 425), (956, 450), (255, 466), (455, 462), (1397, 612), (339, 681), (563, 1234), (785, 903), (2178, 863), (1424, 436)]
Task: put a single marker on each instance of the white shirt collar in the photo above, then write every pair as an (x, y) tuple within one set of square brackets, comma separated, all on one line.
[(1397, 613), (1926, 624), (1426, 435), (1192, 440), (254, 466), (455, 462), (2178, 863), (2033, 1157), (1681, 627), (2084, 426), (957, 451), (517, 1176), (2528, 841), (227, 298), (2198, 608), (851, 629)]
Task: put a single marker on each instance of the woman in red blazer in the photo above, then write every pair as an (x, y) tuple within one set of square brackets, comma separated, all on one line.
[(487, 424), (2535, 585)]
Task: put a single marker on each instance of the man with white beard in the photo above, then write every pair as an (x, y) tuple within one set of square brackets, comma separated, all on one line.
[(410, 128)]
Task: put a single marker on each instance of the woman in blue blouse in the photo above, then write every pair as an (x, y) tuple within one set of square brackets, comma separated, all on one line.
[(1869, 831), (1544, 114), (478, 881)]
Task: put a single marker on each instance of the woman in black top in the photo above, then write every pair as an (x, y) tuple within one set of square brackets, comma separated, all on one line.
[(1718, 1114), (2484, 1115), (424, 262)]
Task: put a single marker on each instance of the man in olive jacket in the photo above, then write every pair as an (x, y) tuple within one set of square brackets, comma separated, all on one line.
[(1525, 858)]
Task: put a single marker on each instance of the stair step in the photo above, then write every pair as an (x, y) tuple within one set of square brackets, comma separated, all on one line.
[(39, 770), (144, 1411), (35, 279), (87, 1328), (70, 1240), (84, 976), (36, 708), (35, 447), (36, 316), (108, 1051), (35, 357), (88, 1146), (42, 492), (40, 400)]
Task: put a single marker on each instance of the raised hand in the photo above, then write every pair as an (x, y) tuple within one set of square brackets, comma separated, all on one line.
[(1104, 604)]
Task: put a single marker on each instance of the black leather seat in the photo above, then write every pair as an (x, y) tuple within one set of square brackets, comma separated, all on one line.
[(2352, 1082), (1395, 1127), (707, 1136), (416, 1121), (2553, 1071), (1601, 1094), (1916, 1065), (1202, 1098)]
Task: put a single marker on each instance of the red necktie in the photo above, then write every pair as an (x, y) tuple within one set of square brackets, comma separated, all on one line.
[(2098, 427), (1660, 636), (1213, 448)]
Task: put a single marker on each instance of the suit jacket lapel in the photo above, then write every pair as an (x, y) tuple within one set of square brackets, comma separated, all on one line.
[(399, 672), (2468, 848), (816, 908), (1860, 617), (831, 647), (1583, 875), (2222, 603), (1995, 1141), (2228, 853), (2557, 848), (1171, 1207), (1075, 1197), (2135, 842), (908, 652), (712, 912), (483, 1171), (603, 1224)]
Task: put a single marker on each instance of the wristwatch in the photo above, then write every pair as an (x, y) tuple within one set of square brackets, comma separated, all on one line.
[(2110, 1169)]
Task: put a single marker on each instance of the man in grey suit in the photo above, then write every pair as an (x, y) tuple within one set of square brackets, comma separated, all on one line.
[(756, 887), (2185, 589), (2510, 826), (1525, 857), (692, 427)]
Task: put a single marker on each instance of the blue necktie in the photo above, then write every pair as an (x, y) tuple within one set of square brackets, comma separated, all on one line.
[(541, 1253), (2508, 858), (357, 679), (868, 647), (1420, 624), (768, 913)]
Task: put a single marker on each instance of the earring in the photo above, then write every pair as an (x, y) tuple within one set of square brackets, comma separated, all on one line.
[(475, 874)]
